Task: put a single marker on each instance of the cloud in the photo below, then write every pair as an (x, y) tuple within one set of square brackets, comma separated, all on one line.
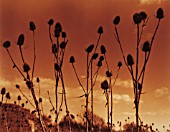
[(150, 1), (124, 83), (160, 92), (125, 98), (4, 83)]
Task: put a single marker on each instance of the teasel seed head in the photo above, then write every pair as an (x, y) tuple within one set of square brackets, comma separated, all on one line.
[(3, 91), (40, 100), (26, 67), (17, 86), (101, 58), (63, 34), (37, 79), (108, 73), (20, 41), (146, 47), (54, 48), (72, 60), (104, 85), (90, 48), (8, 95), (32, 26), (95, 55), (143, 15), (100, 30), (50, 22), (63, 45), (160, 13), (119, 64), (99, 63), (116, 20), (7, 44), (57, 67), (130, 60), (103, 49), (19, 98), (137, 18), (29, 84)]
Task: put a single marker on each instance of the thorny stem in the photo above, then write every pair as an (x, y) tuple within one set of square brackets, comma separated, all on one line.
[(50, 100), (78, 78), (15, 66), (50, 34), (26, 98), (87, 88), (34, 56)]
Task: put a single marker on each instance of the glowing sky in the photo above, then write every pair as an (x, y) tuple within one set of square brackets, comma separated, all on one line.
[(81, 19)]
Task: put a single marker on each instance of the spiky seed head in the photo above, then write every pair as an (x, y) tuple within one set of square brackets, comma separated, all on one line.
[(57, 67), (146, 47), (100, 30), (54, 48), (99, 64), (119, 64), (139, 86), (3, 91), (104, 85), (130, 60), (49, 116), (116, 20), (19, 97), (26, 67), (108, 74), (72, 60), (29, 84), (7, 44), (143, 15), (32, 26), (95, 55), (23, 105), (50, 22), (40, 100), (90, 48), (37, 79), (103, 49), (160, 13), (63, 45), (137, 18), (58, 27), (101, 58), (17, 86), (56, 33), (20, 41), (72, 116), (63, 34), (8, 95)]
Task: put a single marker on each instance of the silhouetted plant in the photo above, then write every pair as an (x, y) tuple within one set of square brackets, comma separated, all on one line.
[(138, 75), (3, 91)]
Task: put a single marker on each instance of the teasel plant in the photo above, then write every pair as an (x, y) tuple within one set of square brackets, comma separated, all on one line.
[(58, 50), (108, 88), (91, 76), (25, 72), (137, 75)]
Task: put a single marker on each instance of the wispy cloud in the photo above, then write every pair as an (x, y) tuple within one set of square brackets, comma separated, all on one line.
[(160, 92), (150, 1), (124, 83)]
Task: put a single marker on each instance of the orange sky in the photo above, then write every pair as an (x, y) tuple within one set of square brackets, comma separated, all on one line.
[(81, 19)]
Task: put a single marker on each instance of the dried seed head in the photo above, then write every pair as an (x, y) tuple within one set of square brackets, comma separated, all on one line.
[(26, 67), (99, 64), (104, 85), (56, 33), (146, 47), (19, 97), (58, 27), (20, 41), (57, 67), (139, 86), (8, 95), (90, 48), (160, 13), (143, 15), (95, 55), (108, 74), (100, 30), (37, 80), (103, 49), (17, 86), (6, 44), (101, 58), (72, 116), (116, 20), (72, 60), (137, 18), (3, 91), (119, 64), (130, 60), (54, 48), (23, 105), (50, 22), (32, 26), (40, 100), (63, 34), (29, 84), (63, 45)]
